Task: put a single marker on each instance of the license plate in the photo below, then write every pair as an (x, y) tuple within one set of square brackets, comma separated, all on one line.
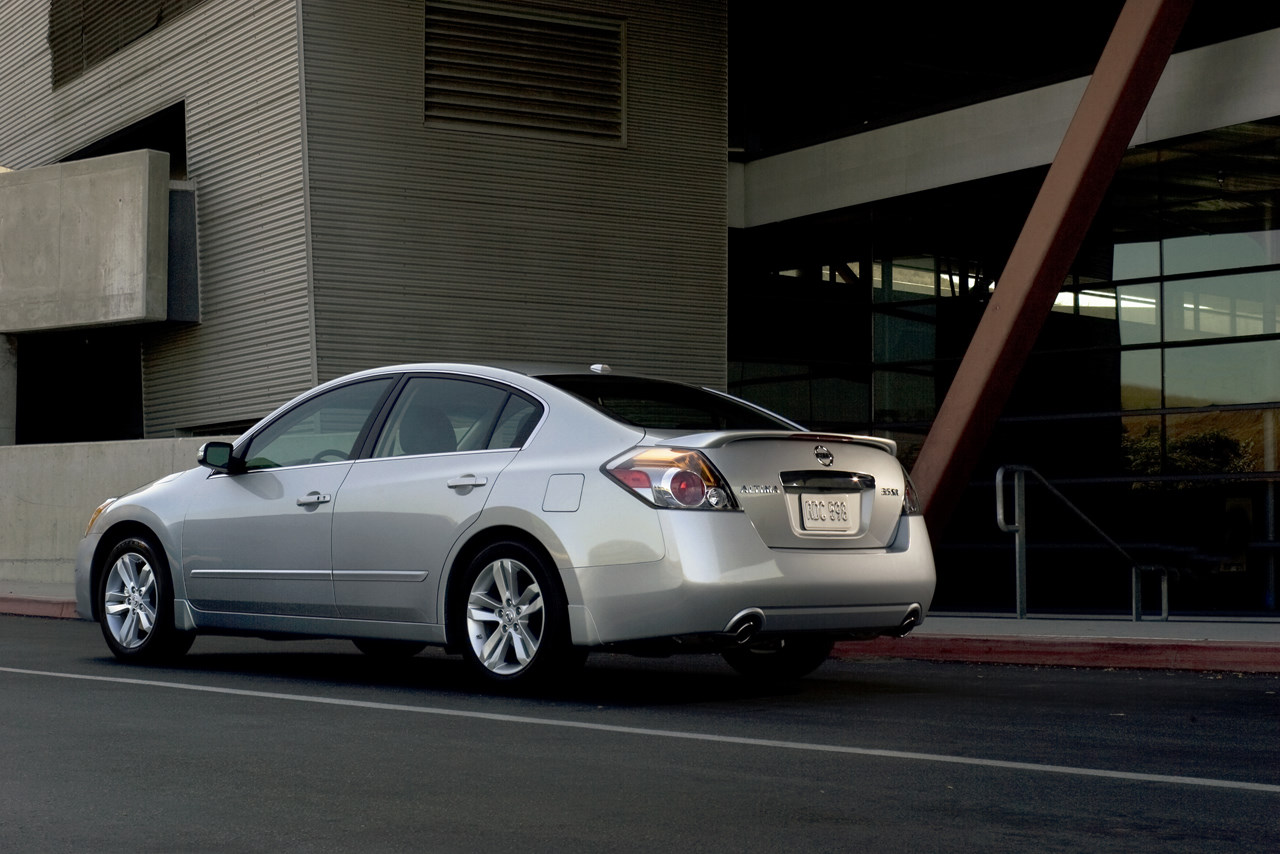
[(828, 512)]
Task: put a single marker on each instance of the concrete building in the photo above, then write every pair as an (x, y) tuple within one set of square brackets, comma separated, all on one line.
[(217, 203), (345, 217), (551, 188)]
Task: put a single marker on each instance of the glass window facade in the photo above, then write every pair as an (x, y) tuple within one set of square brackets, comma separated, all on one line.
[(1152, 398)]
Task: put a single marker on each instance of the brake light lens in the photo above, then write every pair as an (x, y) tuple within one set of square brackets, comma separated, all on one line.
[(673, 478), (687, 488), (910, 498)]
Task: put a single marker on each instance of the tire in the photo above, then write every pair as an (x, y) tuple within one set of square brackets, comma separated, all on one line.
[(383, 648), (512, 615), (135, 604), (781, 660)]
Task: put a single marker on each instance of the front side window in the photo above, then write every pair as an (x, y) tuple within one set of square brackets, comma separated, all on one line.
[(324, 428)]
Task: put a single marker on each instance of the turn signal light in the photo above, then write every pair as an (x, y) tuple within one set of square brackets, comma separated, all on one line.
[(96, 513)]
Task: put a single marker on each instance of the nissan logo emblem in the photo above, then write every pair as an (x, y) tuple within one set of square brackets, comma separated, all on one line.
[(824, 456)]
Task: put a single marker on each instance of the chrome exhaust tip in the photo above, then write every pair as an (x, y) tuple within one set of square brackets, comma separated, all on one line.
[(914, 615), (745, 625)]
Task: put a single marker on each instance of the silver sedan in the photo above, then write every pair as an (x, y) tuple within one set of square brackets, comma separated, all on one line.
[(520, 518)]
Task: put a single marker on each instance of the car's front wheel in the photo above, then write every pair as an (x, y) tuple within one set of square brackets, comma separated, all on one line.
[(135, 604), (784, 658), (514, 618)]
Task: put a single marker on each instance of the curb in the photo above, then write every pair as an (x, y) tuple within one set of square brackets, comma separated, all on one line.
[(39, 606), (1146, 654)]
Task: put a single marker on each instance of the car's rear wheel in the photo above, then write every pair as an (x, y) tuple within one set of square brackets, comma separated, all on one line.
[(784, 658), (383, 648), (135, 604), (514, 618)]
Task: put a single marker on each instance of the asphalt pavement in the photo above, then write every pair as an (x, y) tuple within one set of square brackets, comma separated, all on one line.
[(249, 744), (1201, 643)]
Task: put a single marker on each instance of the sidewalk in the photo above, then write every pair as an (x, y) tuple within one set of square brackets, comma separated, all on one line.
[(1243, 645), (37, 599)]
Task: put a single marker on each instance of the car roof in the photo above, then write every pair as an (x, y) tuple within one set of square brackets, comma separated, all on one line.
[(496, 370)]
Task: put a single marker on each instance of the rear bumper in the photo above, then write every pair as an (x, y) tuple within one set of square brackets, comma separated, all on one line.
[(716, 567)]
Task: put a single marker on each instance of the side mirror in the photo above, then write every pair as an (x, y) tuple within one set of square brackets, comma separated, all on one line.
[(218, 456)]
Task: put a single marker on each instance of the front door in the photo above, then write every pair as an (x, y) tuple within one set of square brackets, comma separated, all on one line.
[(260, 541)]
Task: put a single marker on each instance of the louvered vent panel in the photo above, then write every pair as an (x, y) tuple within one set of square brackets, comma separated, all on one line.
[(524, 73), (435, 243)]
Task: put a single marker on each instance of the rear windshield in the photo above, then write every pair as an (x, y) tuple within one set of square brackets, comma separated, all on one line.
[(658, 405)]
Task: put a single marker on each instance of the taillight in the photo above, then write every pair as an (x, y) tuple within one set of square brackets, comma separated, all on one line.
[(672, 477), (910, 498), (687, 488)]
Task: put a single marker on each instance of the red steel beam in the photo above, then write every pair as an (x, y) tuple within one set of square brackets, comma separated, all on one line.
[(1103, 125)]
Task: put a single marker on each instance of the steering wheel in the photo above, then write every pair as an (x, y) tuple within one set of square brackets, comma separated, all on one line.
[(330, 452)]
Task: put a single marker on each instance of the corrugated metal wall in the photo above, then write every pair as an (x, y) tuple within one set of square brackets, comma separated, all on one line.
[(432, 242), (429, 242), (235, 65), (83, 33)]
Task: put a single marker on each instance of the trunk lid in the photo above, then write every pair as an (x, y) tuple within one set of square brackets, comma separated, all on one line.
[(808, 490)]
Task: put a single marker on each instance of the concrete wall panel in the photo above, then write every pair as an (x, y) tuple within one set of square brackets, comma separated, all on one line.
[(235, 65), (51, 490), (85, 243)]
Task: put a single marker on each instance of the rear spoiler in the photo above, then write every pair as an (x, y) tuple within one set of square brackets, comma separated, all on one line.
[(721, 438), (875, 441)]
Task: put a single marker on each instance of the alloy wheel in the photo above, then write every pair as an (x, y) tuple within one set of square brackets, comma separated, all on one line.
[(505, 617), (130, 600)]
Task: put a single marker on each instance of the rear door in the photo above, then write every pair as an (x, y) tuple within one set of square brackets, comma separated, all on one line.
[(399, 513)]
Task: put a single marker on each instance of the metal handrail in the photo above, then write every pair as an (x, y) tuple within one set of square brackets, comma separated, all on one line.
[(1019, 529)]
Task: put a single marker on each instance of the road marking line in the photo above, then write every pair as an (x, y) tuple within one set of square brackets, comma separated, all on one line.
[(1203, 782)]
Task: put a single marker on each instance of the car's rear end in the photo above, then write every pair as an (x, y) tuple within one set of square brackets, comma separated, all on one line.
[(769, 531)]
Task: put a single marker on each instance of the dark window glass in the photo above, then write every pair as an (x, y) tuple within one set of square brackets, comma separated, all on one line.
[(322, 429), (658, 405), (440, 415), (1222, 374), (1222, 306), (517, 421)]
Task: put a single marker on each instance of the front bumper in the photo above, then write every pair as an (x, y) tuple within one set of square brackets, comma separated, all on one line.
[(83, 576), (716, 567)]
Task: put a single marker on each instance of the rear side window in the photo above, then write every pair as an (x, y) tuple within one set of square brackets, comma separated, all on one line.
[(517, 421), (658, 405), (440, 415)]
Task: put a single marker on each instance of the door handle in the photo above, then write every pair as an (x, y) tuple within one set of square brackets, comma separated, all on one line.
[(467, 481), (311, 499)]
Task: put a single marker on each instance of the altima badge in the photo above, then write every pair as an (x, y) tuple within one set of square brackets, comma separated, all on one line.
[(824, 456)]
